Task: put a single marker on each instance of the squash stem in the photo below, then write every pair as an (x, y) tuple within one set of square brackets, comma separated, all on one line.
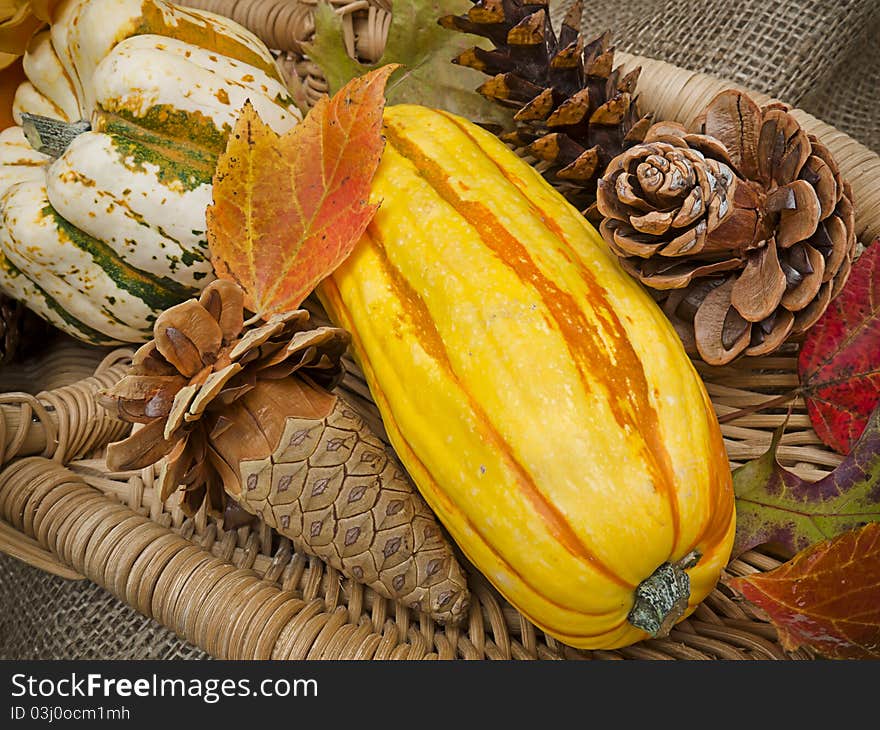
[(51, 136), (662, 598)]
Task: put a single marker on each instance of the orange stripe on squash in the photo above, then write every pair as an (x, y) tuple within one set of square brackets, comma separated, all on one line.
[(330, 295), (615, 363), (430, 339)]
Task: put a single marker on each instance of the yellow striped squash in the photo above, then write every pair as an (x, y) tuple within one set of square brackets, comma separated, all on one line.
[(538, 397)]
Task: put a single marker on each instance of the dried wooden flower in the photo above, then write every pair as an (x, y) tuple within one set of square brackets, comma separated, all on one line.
[(744, 227), (247, 415)]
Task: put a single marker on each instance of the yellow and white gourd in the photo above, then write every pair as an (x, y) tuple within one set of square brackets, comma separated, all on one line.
[(102, 239)]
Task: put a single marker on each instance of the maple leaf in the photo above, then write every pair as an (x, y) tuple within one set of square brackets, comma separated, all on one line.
[(423, 49), (775, 505), (288, 209), (839, 362), (827, 597)]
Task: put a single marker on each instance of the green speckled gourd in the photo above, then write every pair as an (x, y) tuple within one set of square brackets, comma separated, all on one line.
[(111, 233)]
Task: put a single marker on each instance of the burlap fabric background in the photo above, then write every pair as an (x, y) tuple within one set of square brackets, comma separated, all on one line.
[(821, 55)]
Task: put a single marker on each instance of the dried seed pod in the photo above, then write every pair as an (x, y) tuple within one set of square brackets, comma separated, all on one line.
[(247, 415), (744, 227)]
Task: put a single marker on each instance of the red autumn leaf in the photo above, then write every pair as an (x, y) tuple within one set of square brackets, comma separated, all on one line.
[(839, 362), (288, 209), (826, 597)]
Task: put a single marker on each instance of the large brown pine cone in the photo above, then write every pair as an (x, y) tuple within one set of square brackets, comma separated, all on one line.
[(575, 111), (246, 414), (744, 226)]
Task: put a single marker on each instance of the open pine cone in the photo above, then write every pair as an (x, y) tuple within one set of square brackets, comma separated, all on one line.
[(247, 415), (744, 227), (199, 377), (575, 111)]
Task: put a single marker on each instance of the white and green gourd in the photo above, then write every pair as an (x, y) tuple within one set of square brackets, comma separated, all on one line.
[(107, 229)]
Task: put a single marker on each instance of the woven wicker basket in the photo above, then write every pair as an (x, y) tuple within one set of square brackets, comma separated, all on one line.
[(246, 594)]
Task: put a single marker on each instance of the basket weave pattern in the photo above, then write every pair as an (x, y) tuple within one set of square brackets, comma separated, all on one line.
[(247, 594), (285, 26)]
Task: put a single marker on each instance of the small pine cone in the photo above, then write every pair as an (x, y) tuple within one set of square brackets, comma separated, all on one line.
[(744, 228), (246, 421), (575, 111)]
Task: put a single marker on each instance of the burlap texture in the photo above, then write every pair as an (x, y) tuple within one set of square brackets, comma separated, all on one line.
[(821, 55), (46, 617)]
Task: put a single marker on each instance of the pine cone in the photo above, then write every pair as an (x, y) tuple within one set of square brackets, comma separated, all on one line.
[(246, 418), (21, 331), (575, 112), (745, 227)]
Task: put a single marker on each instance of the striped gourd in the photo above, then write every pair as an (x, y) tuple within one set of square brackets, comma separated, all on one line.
[(102, 239), (538, 397)]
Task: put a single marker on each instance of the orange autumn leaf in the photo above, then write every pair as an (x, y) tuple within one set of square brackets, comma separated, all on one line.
[(827, 597), (288, 209), (10, 78)]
